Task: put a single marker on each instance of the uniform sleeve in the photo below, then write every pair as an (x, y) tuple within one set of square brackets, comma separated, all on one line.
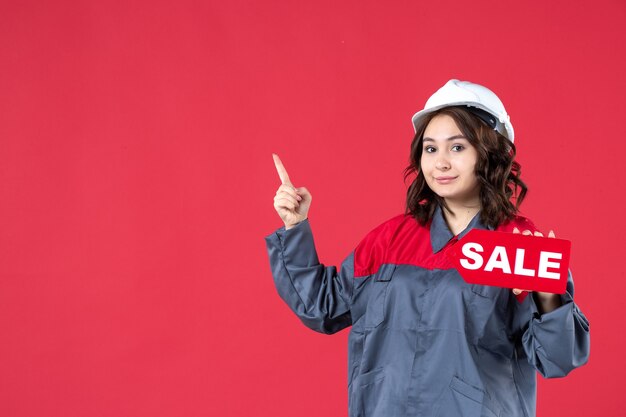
[(319, 295), (556, 342)]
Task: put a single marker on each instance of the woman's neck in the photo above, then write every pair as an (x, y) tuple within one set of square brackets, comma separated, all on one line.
[(459, 215)]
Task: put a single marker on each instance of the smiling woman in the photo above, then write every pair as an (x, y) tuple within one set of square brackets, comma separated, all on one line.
[(448, 163), (423, 341), (452, 142)]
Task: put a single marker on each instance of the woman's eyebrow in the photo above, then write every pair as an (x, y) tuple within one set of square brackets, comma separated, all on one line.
[(427, 139)]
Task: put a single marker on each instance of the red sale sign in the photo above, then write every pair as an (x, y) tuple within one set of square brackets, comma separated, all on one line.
[(512, 260)]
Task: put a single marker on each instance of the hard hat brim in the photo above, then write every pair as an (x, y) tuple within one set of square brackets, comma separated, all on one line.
[(503, 127)]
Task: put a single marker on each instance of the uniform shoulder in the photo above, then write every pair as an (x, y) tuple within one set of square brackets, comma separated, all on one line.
[(370, 252), (519, 221), (387, 229)]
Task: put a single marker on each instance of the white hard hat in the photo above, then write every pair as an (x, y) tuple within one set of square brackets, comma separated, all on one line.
[(474, 96)]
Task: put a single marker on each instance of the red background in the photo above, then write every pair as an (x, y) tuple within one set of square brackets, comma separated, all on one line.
[(136, 185)]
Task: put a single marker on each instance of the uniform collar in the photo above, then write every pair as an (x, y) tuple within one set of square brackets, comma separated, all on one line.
[(440, 233)]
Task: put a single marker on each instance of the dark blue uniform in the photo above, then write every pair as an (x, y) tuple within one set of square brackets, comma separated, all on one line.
[(423, 342)]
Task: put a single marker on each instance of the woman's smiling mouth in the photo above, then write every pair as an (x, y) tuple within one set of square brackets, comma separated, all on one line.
[(445, 180)]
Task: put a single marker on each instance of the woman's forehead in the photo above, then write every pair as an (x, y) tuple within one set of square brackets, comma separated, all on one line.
[(442, 127)]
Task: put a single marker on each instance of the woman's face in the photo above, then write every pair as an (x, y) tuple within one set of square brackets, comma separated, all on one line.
[(448, 161)]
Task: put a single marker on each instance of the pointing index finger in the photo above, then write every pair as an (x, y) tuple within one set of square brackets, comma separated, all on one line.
[(282, 172)]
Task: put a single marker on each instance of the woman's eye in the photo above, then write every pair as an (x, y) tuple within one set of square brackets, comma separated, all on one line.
[(457, 148), (429, 149)]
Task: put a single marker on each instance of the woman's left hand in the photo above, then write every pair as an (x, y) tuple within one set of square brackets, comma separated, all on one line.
[(546, 301)]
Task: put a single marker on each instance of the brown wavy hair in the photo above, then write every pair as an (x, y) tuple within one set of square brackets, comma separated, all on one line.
[(496, 170)]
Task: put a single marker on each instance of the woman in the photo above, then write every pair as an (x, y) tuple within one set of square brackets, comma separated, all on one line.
[(423, 342)]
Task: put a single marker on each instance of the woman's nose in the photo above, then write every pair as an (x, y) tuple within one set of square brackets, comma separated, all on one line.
[(442, 163)]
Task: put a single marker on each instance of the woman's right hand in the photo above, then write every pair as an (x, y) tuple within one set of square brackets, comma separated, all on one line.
[(291, 203)]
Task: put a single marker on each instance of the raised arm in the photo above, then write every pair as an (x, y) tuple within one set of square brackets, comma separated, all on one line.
[(319, 295)]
